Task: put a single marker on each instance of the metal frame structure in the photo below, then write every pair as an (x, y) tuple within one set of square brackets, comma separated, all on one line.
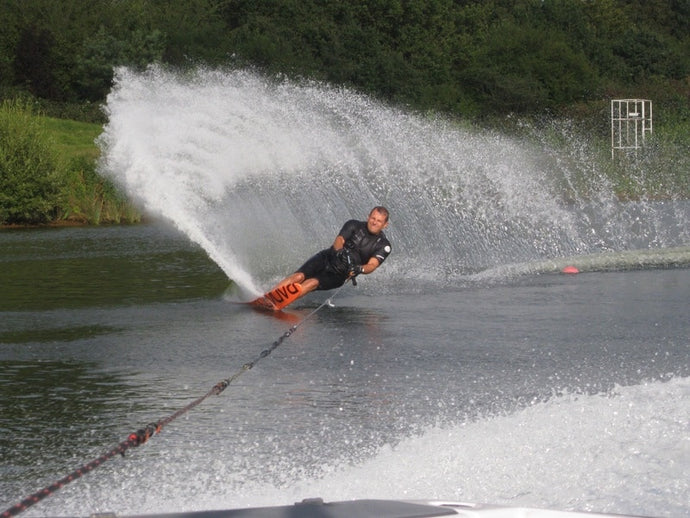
[(631, 122)]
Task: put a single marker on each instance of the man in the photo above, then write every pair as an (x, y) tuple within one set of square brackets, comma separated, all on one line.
[(359, 248)]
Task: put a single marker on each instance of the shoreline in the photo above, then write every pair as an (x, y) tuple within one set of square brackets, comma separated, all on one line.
[(55, 224)]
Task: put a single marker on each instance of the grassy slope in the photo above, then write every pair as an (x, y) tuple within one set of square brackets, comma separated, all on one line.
[(74, 139), (89, 198)]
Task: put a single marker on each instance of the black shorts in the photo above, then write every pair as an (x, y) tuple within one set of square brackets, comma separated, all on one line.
[(320, 266)]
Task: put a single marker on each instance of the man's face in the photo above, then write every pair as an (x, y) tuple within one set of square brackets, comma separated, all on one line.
[(376, 222)]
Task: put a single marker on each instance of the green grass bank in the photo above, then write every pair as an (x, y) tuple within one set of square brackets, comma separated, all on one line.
[(48, 172)]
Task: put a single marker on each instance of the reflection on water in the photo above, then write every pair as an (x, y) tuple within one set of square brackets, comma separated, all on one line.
[(54, 334), (54, 410), (87, 267)]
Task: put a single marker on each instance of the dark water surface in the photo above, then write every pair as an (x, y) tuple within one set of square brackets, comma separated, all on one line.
[(546, 390)]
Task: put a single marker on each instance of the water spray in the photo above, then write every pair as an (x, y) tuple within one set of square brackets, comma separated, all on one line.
[(255, 169)]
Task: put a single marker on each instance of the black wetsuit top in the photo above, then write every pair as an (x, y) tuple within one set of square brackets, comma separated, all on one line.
[(331, 268), (362, 244)]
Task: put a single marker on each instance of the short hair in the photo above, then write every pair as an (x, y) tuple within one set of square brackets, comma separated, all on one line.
[(382, 210)]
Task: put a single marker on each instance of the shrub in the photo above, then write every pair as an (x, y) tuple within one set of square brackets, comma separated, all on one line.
[(29, 167)]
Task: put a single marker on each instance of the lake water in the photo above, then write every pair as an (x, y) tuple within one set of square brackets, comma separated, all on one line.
[(465, 368), (548, 390)]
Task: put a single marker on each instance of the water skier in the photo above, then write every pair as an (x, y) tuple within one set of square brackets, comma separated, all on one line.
[(359, 248)]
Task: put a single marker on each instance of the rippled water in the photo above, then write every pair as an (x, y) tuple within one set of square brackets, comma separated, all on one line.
[(538, 389)]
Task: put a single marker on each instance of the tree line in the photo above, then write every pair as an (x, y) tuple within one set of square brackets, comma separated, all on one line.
[(462, 57), (471, 58)]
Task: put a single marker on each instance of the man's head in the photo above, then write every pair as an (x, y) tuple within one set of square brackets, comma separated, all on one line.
[(378, 219)]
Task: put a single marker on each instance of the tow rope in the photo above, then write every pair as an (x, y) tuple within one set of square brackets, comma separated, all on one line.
[(143, 435)]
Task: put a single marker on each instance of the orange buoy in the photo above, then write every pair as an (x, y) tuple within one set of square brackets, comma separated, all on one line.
[(570, 269)]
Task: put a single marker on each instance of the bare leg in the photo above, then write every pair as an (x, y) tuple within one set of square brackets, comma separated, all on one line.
[(309, 285), (297, 277)]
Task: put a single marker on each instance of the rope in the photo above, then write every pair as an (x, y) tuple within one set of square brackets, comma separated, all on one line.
[(141, 436)]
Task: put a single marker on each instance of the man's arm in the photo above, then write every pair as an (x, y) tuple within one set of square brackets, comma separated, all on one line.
[(339, 243), (370, 266)]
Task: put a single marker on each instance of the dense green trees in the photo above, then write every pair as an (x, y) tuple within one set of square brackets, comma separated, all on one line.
[(467, 57)]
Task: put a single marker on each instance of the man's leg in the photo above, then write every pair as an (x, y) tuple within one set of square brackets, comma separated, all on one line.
[(298, 277), (309, 285)]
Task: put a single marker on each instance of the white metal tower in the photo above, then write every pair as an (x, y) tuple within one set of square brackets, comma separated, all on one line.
[(631, 121)]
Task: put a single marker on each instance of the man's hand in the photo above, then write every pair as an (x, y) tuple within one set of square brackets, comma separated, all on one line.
[(355, 270)]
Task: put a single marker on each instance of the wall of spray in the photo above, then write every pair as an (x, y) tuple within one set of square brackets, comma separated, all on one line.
[(261, 172)]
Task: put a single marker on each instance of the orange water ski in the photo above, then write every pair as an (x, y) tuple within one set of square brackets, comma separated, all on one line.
[(263, 303), (278, 298)]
